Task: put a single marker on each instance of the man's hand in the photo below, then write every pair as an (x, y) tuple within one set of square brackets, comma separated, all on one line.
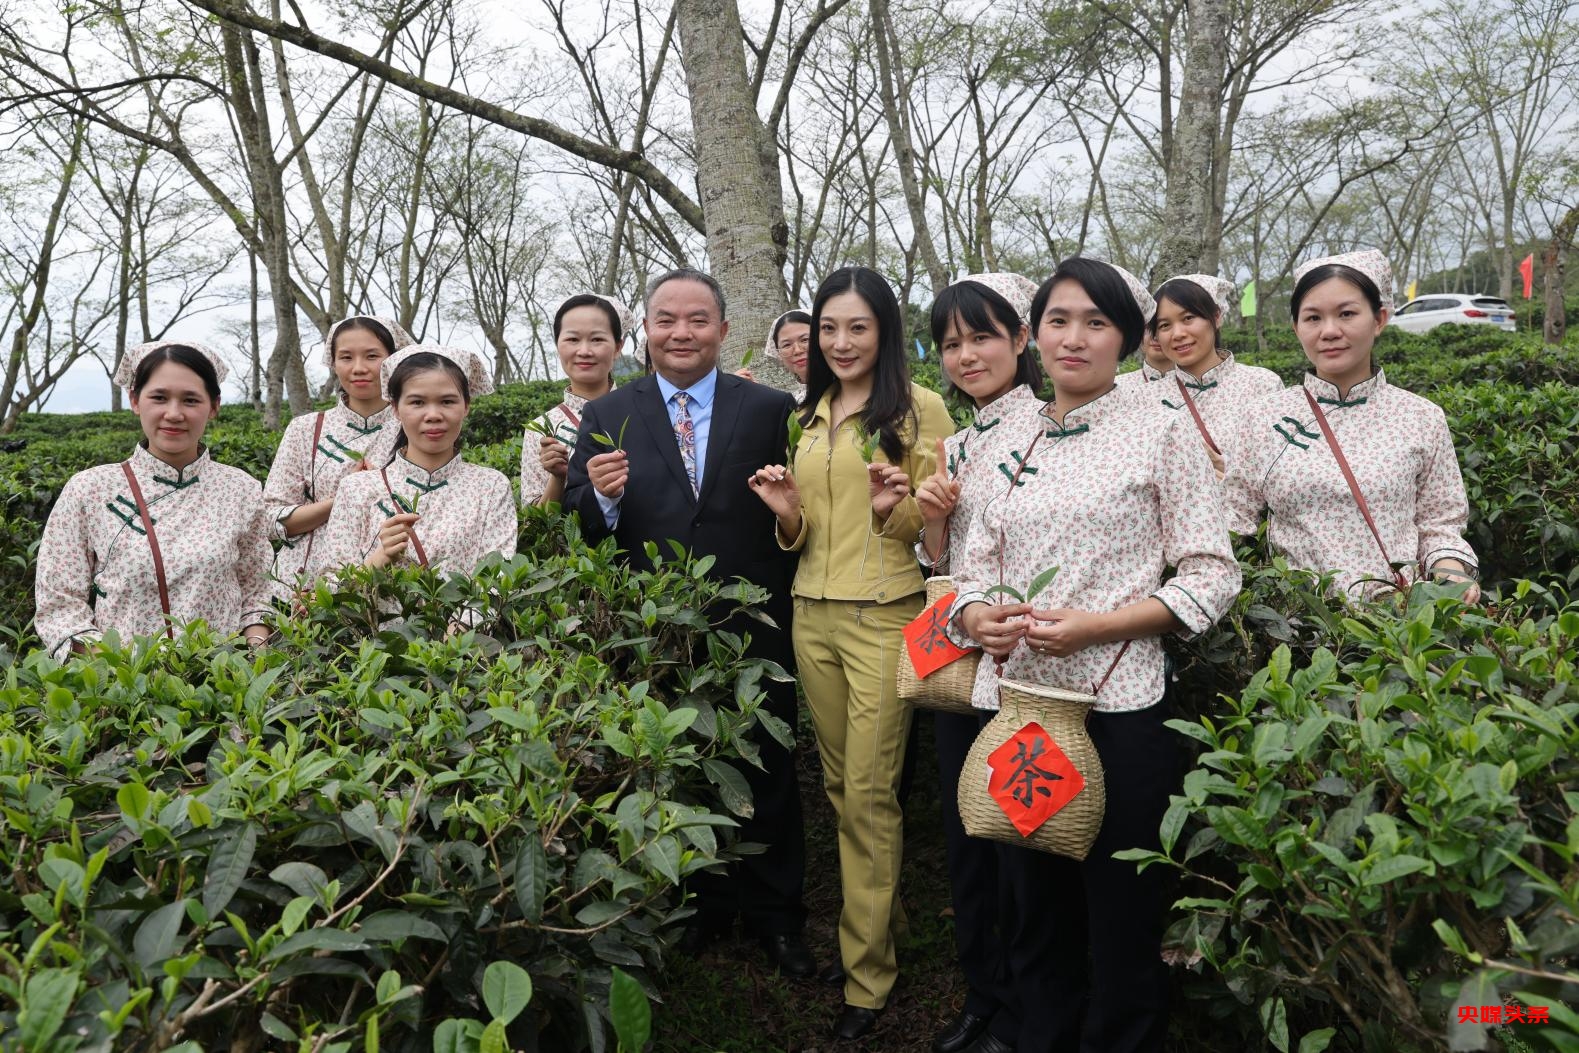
[(609, 472)]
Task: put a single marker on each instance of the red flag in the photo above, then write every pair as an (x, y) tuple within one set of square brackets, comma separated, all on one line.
[(1527, 272)]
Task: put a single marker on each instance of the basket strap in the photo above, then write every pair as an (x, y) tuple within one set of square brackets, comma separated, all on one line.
[(416, 542), (1196, 413), (153, 546), (1097, 690), (1354, 485)]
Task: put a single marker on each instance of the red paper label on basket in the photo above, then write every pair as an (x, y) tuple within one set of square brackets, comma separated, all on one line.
[(929, 646), (1031, 779)]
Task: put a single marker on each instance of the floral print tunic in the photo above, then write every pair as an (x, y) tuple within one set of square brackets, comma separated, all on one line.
[(564, 420), (466, 512), (1139, 378), (973, 458), (1221, 395), (303, 473), (1401, 453), (1116, 494), (96, 571)]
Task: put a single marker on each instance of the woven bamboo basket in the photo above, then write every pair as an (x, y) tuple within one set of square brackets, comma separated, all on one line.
[(1072, 829), (948, 689)]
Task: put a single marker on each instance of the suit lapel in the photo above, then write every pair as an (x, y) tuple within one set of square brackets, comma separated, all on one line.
[(721, 432), (655, 417)]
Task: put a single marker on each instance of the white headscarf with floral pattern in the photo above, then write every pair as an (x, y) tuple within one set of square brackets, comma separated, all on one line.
[(478, 380), (396, 333), (1369, 262), (1016, 289), (1221, 290), (127, 370)]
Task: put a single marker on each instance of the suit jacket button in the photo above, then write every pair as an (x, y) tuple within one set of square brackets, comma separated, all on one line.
[(696, 522)]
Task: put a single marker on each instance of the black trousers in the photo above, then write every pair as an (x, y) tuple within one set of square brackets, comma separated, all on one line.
[(1085, 946), (765, 889), (974, 881)]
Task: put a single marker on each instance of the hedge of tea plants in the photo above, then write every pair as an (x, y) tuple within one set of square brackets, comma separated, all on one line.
[(379, 835)]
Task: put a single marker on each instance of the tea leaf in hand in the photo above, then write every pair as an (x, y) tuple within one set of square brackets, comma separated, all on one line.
[(749, 355), (1040, 582), (352, 454), (1005, 590), (599, 437), (619, 444)]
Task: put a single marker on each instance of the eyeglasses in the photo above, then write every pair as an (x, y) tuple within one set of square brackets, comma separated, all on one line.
[(802, 341)]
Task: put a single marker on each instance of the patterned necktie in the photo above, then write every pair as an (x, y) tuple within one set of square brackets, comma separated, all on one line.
[(685, 438)]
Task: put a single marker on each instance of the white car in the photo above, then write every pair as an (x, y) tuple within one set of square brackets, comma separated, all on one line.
[(1428, 312)]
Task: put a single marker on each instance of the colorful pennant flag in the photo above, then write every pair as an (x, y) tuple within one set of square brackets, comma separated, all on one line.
[(1527, 272), (1247, 302), (1409, 293), (921, 352)]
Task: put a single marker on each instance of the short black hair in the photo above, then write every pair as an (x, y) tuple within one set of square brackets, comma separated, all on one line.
[(689, 274), (1316, 275), (421, 362), (1107, 291), (981, 310), (1193, 298), (589, 300), (181, 355)]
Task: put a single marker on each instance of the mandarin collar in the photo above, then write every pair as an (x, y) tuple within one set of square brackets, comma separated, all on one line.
[(1216, 375), (1327, 391), (1149, 372), (990, 414), (423, 479), (370, 423), (151, 469), (1083, 417), (576, 403)]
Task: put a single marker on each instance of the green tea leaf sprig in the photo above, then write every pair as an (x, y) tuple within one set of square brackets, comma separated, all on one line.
[(617, 443), (1038, 583), (796, 431), (867, 442)]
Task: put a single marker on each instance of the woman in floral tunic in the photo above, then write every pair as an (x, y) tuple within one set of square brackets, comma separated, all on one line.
[(427, 505), (589, 329), (1112, 489), (981, 327), (1207, 384), (166, 537), (1154, 364), (1396, 444), (320, 449)]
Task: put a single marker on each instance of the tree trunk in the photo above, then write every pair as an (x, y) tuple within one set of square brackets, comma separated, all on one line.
[(286, 378), (743, 214), (39, 279), (1555, 263), (1190, 183), (904, 149)]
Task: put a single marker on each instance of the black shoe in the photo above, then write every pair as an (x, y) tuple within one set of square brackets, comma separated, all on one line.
[(989, 1043), (966, 1028), (788, 951), (855, 1022), (833, 975)]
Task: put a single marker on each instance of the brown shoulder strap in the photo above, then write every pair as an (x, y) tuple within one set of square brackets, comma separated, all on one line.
[(153, 546), (1097, 690), (416, 542), (1354, 485), (575, 421), (312, 484), (1196, 413)]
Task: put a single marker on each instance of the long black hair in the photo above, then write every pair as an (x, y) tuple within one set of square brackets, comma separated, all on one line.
[(181, 355), (1193, 298), (1316, 275), (890, 411), (421, 363), (974, 308), (1107, 291)]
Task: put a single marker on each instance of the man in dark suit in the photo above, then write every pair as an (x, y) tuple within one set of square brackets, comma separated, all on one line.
[(693, 437)]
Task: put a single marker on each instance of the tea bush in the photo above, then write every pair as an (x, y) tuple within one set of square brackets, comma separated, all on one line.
[(329, 841), (1381, 826)]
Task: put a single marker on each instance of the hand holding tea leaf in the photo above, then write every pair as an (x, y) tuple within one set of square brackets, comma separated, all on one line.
[(393, 537), (867, 442), (887, 486), (553, 456), (1065, 631), (998, 628), (616, 443)]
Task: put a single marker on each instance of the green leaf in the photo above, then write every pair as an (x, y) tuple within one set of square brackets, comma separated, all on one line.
[(1038, 583), (304, 879), (493, 1038), (619, 443), (531, 877), (457, 1035), (1274, 1020), (159, 934), (664, 855), (1003, 590), (46, 999), (295, 913), (629, 1010), (274, 1027), (1477, 990), (134, 800), (732, 786), (227, 867), (745, 360), (316, 940), (1316, 1041), (389, 925), (506, 990), (370, 1040), (1392, 868), (598, 436)]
